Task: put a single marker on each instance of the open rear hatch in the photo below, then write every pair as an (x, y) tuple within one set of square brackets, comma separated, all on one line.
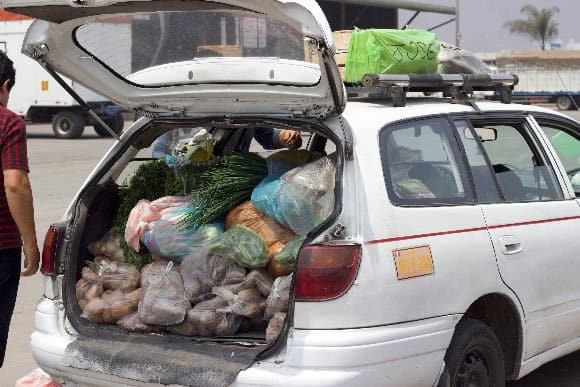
[(166, 356), (181, 58)]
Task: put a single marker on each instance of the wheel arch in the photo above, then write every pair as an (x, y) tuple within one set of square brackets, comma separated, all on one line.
[(502, 315)]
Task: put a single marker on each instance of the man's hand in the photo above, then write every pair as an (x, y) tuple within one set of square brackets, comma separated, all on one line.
[(290, 139), (31, 260)]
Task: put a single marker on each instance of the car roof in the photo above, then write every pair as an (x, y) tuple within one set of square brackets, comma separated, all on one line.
[(367, 115)]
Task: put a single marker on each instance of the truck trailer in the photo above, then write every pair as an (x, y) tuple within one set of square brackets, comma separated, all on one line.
[(544, 76), (38, 98)]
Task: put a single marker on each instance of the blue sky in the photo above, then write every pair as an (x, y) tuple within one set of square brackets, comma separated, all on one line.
[(482, 23)]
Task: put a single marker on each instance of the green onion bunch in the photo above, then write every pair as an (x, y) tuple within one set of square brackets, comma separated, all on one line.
[(223, 186)]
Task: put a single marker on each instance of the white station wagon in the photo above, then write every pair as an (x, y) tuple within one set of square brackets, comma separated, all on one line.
[(452, 257)]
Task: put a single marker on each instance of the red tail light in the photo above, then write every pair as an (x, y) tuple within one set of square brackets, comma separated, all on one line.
[(49, 251), (326, 272)]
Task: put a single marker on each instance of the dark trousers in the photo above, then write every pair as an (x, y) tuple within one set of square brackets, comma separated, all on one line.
[(9, 279)]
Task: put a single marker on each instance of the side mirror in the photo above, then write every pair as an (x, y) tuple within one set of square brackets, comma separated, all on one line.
[(484, 134)]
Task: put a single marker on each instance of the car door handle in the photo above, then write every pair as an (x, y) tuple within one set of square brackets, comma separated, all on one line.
[(510, 244)]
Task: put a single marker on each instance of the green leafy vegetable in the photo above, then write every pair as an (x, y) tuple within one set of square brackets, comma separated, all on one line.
[(223, 186)]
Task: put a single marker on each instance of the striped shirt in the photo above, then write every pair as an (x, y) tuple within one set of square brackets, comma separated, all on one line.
[(13, 156)]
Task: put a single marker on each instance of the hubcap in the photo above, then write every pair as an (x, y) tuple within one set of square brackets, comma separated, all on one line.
[(474, 371), (65, 125)]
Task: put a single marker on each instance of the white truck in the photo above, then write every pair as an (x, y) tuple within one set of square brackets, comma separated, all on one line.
[(39, 98), (544, 76)]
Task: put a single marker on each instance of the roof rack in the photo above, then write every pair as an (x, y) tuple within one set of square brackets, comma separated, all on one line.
[(459, 87)]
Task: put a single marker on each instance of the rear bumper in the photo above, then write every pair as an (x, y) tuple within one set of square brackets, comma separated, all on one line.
[(409, 354)]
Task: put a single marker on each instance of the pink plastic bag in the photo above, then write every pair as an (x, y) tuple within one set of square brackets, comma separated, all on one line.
[(146, 212), (37, 378)]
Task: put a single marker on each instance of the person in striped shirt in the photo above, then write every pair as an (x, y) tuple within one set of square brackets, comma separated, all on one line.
[(17, 229)]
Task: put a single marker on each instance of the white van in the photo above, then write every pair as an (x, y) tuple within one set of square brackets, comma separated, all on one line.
[(451, 257)]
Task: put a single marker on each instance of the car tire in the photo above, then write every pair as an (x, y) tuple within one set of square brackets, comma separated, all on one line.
[(68, 124), (117, 123), (474, 357), (564, 102)]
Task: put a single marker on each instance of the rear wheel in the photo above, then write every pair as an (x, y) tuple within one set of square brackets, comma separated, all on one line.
[(68, 124), (116, 122), (564, 102), (474, 358)]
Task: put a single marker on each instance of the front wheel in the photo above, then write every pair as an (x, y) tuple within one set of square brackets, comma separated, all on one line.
[(474, 357)]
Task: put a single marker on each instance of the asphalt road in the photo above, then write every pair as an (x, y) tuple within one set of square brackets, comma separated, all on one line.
[(58, 168)]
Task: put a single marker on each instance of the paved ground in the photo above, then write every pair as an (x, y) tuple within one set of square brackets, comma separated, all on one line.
[(58, 168)]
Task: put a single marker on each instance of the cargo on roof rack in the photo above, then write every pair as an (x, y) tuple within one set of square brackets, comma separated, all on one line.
[(457, 86)]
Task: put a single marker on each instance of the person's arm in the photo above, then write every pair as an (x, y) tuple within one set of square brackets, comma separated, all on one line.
[(19, 197), (267, 137), (18, 191), (277, 138)]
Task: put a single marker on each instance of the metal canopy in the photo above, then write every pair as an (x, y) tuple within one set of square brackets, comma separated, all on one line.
[(405, 4)]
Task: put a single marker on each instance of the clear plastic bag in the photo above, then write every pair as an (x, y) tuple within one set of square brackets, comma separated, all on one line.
[(153, 271), (112, 306), (306, 196), (275, 327), (37, 378), (279, 297), (114, 275), (260, 280), (202, 271), (108, 246), (146, 212), (208, 319), (242, 246), (132, 323), (168, 239), (163, 301), (247, 303)]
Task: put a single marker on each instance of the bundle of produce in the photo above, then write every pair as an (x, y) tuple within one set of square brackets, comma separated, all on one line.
[(247, 303), (242, 246), (112, 306), (284, 262), (275, 235), (279, 297), (132, 323), (165, 238), (202, 271), (260, 280), (163, 301), (306, 195), (150, 181), (104, 274), (209, 319), (222, 186), (145, 212), (275, 327)]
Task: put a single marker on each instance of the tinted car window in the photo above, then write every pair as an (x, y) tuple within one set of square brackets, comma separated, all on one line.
[(420, 164)]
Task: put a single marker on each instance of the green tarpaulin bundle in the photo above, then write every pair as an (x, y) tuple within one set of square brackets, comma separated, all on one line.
[(377, 51)]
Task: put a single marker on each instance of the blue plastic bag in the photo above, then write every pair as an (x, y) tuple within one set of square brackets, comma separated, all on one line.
[(167, 239), (264, 195)]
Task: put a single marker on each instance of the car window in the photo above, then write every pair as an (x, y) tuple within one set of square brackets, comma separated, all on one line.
[(520, 170), (421, 166), (481, 172), (567, 145)]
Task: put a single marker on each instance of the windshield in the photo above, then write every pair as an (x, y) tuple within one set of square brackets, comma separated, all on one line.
[(171, 48)]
